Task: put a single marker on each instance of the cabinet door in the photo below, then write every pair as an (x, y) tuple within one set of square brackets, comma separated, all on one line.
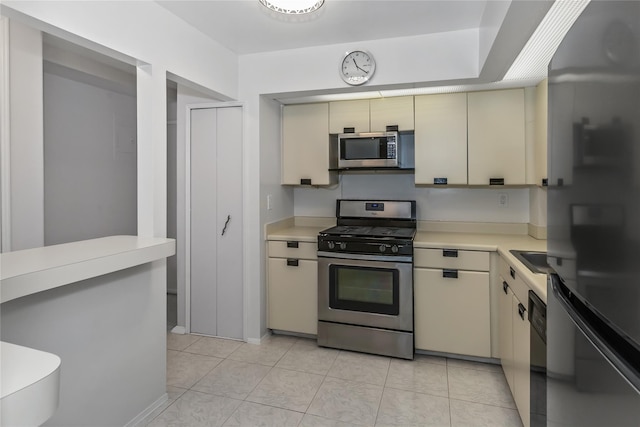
[(441, 138), (452, 314), (305, 144), (496, 125), (349, 114), (521, 357), (396, 111), (540, 146), (293, 295), (505, 329)]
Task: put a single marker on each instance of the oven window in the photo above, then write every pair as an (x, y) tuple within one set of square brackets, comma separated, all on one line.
[(372, 290)]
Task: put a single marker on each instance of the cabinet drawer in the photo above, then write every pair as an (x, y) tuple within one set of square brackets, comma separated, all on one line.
[(451, 258), (292, 249)]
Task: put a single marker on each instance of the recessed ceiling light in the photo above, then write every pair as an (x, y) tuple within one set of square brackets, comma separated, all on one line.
[(293, 7)]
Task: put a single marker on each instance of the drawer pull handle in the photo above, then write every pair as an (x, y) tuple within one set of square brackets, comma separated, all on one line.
[(305, 181), (292, 245), (505, 287), (512, 272), (292, 262), (440, 181), (450, 274), (521, 310), (496, 181), (450, 253)]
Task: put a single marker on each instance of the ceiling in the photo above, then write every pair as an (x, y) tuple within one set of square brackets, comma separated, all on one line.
[(245, 26)]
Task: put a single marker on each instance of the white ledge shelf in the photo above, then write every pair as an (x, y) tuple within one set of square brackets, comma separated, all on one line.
[(35, 270)]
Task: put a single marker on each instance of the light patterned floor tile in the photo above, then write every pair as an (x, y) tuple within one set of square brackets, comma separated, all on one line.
[(173, 393), (360, 367), (255, 415), (308, 357), (232, 379), (268, 353), (479, 386), (469, 414), (347, 401), (180, 341), (468, 364), (406, 408), (216, 347), (429, 378), (287, 389), (185, 369), (430, 359), (195, 409), (316, 421)]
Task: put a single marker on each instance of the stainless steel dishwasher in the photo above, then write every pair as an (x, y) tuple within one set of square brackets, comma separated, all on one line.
[(538, 371)]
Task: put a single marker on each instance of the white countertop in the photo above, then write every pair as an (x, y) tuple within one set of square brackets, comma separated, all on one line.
[(29, 384), (34, 270)]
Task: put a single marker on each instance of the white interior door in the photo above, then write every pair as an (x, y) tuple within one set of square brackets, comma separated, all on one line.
[(216, 222)]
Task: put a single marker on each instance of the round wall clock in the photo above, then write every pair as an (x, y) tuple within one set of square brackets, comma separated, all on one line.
[(357, 67)]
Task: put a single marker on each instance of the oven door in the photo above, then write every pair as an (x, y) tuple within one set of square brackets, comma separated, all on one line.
[(373, 291)]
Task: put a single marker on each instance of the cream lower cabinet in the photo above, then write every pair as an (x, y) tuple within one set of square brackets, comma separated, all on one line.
[(514, 337), (451, 304), (293, 287)]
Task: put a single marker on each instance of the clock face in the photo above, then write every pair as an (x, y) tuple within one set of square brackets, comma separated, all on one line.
[(357, 67)]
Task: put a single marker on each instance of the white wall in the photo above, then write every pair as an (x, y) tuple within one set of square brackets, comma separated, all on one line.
[(90, 160)]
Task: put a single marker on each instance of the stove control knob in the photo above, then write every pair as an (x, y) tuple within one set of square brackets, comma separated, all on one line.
[(394, 249), (343, 245), (331, 245), (382, 248)]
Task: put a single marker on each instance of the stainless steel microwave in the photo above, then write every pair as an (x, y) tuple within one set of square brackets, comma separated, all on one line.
[(368, 150)]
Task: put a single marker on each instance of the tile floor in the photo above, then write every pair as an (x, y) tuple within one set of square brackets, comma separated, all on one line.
[(288, 381)]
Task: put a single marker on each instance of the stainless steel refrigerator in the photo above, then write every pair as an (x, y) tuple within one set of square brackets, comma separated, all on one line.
[(593, 302)]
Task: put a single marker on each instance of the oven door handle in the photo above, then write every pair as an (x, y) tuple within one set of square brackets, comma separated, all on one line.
[(364, 257)]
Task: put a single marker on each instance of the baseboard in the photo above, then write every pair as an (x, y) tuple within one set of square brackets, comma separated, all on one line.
[(145, 416), (181, 330), (258, 340)]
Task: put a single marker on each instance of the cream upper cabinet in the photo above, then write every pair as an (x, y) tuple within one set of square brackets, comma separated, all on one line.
[(540, 146), (496, 141), (441, 139), (395, 111), (373, 115), (349, 114), (305, 145)]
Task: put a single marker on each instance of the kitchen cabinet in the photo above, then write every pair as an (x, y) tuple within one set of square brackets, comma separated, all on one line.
[(292, 287), (514, 337), (496, 137), (373, 115), (451, 301), (306, 151), (540, 145), (441, 139)]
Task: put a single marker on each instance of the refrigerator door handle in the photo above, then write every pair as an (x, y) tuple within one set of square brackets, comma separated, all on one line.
[(621, 352)]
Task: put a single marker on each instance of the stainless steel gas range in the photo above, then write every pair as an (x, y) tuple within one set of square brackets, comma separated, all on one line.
[(365, 278)]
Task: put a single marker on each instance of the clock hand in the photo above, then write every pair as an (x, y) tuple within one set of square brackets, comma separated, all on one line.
[(356, 64)]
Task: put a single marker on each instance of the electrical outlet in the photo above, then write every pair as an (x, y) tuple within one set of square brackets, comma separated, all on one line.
[(269, 202), (503, 200)]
